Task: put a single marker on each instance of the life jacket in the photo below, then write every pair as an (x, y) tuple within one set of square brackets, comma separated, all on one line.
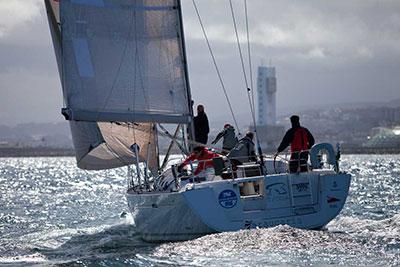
[(300, 140), (205, 160)]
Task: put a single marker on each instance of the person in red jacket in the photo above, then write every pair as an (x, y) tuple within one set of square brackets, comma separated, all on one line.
[(201, 154), (300, 140)]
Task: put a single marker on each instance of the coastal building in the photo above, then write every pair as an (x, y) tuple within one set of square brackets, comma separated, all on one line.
[(269, 133), (266, 91), (382, 137)]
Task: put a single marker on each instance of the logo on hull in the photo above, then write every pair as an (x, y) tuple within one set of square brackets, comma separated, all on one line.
[(227, 199)]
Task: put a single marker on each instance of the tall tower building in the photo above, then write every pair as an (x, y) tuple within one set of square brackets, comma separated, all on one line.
[(266, 89)]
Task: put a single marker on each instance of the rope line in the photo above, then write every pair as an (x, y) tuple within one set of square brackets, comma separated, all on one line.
[(251, 71), (216, 66), (249, 53), (250, 94), (238, 44), (251, 103), (133, 91)]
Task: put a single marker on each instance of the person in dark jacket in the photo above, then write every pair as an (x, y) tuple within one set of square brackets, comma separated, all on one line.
[(243, 151), (229, 138), (201, 128), (300, 140)]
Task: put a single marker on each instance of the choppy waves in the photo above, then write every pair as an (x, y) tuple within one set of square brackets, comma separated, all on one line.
[(346, 241), (52, 213)]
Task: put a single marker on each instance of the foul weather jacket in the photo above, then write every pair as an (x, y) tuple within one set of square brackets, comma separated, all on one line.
[(243, 151), (299, 138), (205, 160)]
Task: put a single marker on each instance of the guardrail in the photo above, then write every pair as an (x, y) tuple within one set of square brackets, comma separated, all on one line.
[(227, 167)]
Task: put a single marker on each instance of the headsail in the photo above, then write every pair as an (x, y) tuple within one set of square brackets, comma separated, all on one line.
[(106, 145), (121, 64)]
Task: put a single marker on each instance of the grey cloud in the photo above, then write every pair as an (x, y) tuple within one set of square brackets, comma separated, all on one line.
[(14, 14), (341, 28), (325, 52)]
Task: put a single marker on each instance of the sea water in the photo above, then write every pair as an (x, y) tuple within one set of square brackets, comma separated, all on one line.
[(52, 213)]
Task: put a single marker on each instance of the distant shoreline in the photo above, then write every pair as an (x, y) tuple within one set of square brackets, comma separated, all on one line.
[(17, 152), (365, 150)]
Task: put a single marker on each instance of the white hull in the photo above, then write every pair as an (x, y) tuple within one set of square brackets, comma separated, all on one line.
[(306, 200), (165, 217)]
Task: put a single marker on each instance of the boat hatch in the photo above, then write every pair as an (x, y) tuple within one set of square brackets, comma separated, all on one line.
[(254, 187)]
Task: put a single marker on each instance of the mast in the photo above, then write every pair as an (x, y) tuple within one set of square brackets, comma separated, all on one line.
[(189, 95)]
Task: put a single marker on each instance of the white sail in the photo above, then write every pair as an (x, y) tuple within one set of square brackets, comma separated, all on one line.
[(119, 62), (123, 61), (106, 145)]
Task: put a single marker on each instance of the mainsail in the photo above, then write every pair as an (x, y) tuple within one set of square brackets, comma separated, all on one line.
[(122, 69)]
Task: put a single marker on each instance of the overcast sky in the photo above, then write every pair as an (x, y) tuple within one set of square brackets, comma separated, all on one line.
[(325, 52)]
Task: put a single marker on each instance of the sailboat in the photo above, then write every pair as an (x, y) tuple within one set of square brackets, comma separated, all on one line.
[(124, 76)]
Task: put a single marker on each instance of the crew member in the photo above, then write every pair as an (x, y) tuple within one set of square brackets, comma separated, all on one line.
[(201, 154), (229, 138), (300, 140), (201, 128), (243, 150)]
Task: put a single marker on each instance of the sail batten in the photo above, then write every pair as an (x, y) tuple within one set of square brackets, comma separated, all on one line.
[(101, 3), (78, 115)]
